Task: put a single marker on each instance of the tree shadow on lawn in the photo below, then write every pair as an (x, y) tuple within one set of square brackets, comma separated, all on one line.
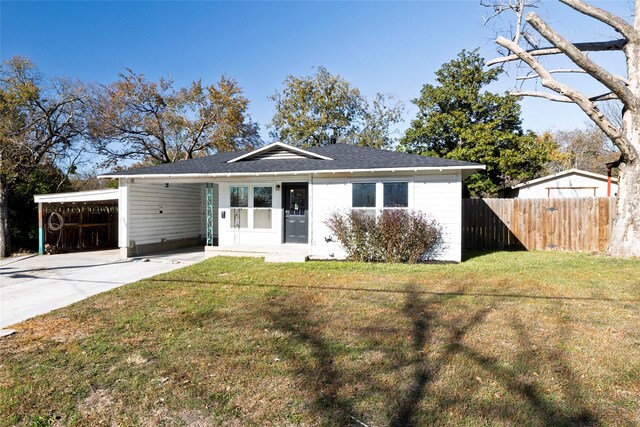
[(420, 399), (404, 291)]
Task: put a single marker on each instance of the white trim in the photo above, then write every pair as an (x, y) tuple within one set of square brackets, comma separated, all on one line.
[(325, 171), (563, 173), (78, 196), (281, 145)]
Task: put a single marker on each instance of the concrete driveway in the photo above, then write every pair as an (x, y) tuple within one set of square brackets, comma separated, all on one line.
[(33, 285)]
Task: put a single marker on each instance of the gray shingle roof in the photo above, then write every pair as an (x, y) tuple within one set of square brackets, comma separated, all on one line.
[(345, 157)]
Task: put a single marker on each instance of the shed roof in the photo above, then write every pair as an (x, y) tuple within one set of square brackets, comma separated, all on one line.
[(78, 196), (562, 174), (326, 159)]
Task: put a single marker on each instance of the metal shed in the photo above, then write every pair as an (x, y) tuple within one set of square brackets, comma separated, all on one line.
[(83, 220)]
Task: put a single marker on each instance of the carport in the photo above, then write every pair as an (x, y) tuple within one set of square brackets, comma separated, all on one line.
[(80, 221)]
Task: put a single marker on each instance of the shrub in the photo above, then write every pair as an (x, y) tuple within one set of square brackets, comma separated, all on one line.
[(396, 235)]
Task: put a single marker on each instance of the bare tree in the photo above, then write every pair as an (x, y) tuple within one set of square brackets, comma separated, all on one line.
[(625, 238), (41, 122), (154, 122)]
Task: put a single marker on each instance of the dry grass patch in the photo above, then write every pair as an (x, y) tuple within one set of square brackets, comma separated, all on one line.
[(503, 339)]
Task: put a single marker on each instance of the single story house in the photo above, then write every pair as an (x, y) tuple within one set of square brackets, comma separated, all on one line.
[(565, 184), (276, 199)]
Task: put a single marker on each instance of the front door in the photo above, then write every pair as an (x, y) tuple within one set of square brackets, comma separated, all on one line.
[(296, 213)]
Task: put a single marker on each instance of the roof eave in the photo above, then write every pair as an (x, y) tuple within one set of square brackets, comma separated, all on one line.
[(299, 172)]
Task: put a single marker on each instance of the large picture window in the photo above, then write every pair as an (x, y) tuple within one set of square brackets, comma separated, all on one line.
[(396, 194), (251, 205)]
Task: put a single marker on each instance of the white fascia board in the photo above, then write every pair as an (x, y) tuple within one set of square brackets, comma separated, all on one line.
[(314, 172), (78, 196), (278, 144)]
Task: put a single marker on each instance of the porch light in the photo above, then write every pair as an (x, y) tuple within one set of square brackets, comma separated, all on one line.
[(277, 187)]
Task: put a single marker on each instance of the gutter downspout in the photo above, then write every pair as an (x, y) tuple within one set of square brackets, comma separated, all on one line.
[(610, 166)]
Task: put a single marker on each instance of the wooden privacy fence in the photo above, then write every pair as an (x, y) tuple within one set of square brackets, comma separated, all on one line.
[(573, 224), (78, 227)]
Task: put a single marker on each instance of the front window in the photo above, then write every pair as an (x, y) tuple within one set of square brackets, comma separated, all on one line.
[(363, 197), (396, 194), (239, 204), (262, 204), (251, 205)]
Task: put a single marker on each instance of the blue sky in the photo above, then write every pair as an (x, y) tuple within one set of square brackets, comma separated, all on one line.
[(388, 47)]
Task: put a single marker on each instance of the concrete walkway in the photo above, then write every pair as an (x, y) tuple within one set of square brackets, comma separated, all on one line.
[(34, 285)]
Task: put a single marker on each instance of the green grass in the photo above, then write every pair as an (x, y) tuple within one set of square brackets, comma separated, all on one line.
[(529, 338)]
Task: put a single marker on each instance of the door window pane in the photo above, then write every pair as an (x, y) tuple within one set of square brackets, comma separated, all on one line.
[(297, 199), (396, 194), (239, 197), (363, 195), (262, 197)]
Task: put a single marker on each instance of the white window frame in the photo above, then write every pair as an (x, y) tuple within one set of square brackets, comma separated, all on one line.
[(379, 183), (253, 208), (382, 206), (250, 208)]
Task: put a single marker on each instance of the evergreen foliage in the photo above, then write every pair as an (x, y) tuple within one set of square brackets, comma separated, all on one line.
[(457, 119)]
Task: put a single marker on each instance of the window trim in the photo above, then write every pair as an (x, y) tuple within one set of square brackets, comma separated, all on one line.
[(395, 182), (379, 183), (250, 206), (375, 198)]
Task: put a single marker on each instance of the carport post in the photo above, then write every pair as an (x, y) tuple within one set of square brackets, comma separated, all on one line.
[(40, 230)]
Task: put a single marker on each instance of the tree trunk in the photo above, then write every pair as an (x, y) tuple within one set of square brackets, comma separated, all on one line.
[(625, 236), (5, 243)]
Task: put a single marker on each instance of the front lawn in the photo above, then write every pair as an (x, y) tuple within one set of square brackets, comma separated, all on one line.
[(543, 339)]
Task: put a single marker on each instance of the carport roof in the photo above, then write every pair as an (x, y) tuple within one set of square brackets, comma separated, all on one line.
[(286, 159), (78, 196)]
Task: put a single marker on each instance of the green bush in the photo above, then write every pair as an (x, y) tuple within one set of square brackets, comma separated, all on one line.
[(396, 235)]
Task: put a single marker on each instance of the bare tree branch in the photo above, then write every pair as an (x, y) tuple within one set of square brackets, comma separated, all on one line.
[(609, 96), (609, 45), (566, 71), (617, 23), (582, 101), (558, 71), (581, 60)]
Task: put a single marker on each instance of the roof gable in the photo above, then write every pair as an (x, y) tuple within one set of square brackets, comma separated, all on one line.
[(278, 151), (563, 174)]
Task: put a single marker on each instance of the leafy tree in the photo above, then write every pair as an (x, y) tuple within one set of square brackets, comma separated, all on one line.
[(458, 120), (137, 119), (623, 132), (41, 123), (315, 110)]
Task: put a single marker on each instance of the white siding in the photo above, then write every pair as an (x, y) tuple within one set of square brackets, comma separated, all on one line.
[(573, 185), (438, 195), (329, 195), (158, 213)]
